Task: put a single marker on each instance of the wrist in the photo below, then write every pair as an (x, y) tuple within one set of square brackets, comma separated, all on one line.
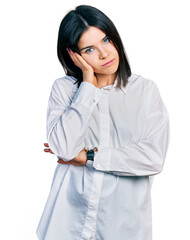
[(90, 153), (90, 78)]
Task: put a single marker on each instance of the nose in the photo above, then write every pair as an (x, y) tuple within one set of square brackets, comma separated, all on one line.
[(103, 53)]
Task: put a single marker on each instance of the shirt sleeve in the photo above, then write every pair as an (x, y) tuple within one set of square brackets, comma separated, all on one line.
[(67, 119), (145, 157)]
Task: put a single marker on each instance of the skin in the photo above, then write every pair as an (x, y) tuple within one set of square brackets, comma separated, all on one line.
[(96, 50)]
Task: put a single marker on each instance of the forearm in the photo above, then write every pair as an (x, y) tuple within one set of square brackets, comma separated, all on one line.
[(143, 158), (66, 134)]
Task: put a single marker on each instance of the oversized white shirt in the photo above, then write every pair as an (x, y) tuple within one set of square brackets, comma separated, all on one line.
[(109, 198)]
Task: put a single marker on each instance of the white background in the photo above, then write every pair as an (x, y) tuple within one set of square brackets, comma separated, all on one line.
[(155, 35)]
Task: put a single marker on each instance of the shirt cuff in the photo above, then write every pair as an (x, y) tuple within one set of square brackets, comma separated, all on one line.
[(89, 163), (102, 158)]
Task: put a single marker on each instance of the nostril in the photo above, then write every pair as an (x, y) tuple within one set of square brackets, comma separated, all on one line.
[(103, 55)]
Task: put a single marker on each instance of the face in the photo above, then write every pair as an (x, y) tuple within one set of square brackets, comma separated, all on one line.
[(99, 52)]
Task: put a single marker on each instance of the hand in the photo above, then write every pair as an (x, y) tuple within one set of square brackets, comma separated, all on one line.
[(47, 149), (80, 160), (87, 70)]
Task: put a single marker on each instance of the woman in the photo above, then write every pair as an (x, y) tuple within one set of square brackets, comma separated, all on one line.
[(110, 133)]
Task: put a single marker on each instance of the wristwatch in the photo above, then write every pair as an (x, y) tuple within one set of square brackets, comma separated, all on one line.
[(90, 153)]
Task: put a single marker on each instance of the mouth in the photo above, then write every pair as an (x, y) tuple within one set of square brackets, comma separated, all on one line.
[(108, 63)]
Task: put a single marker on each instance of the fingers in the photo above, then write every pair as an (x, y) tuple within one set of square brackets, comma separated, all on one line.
[(73, 162), (74, 58), (70, 162), (87, 70), (79, 61), (62, 162), (47, 149)]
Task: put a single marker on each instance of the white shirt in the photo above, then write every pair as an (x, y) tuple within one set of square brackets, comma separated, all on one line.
[(109, 198)]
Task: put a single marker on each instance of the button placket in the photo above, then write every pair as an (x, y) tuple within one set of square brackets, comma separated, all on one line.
[(104, 120), (90, 223)]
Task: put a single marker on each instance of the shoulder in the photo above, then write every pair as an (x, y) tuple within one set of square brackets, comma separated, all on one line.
[(142, 83), (63, 89), (138, 79), (66, 83)]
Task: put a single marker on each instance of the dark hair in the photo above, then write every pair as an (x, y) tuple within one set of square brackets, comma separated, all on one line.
[(73, 25)]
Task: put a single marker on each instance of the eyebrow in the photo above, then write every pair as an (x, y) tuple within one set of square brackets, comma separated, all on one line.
[(92, 45)]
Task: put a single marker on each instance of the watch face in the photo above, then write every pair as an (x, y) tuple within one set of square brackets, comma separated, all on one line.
[(90, 155)]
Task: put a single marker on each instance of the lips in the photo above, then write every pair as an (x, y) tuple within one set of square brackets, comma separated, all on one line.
[(108, 63)]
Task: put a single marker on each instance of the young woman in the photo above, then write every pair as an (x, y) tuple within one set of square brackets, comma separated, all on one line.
[(109, 129)]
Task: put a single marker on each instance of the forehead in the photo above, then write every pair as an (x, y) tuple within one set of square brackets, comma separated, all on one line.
[(90, 37)]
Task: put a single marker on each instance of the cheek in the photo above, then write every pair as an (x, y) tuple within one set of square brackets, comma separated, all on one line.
[(115, 52), (91, 60)]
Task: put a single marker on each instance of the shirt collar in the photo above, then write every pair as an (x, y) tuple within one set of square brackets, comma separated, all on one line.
[(131, 79)]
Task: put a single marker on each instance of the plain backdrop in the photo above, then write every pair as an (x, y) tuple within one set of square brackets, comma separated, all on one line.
[(156, 37)]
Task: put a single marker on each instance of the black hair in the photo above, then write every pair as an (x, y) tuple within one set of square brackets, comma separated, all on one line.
[(73, 25)]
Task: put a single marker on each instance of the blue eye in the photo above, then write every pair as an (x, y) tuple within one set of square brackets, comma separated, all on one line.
[(106, 40), (89, 50)]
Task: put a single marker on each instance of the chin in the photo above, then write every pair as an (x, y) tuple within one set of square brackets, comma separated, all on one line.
[(111, 71)]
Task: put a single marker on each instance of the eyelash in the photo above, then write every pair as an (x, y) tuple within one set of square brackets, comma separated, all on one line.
[(107, 38), (105, 41), (87, 51)]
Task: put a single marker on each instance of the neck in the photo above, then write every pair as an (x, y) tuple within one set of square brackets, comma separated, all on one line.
[(105, 80)]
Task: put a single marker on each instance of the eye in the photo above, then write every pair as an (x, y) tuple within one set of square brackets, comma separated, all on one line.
[(107, 39), (89, 50)]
